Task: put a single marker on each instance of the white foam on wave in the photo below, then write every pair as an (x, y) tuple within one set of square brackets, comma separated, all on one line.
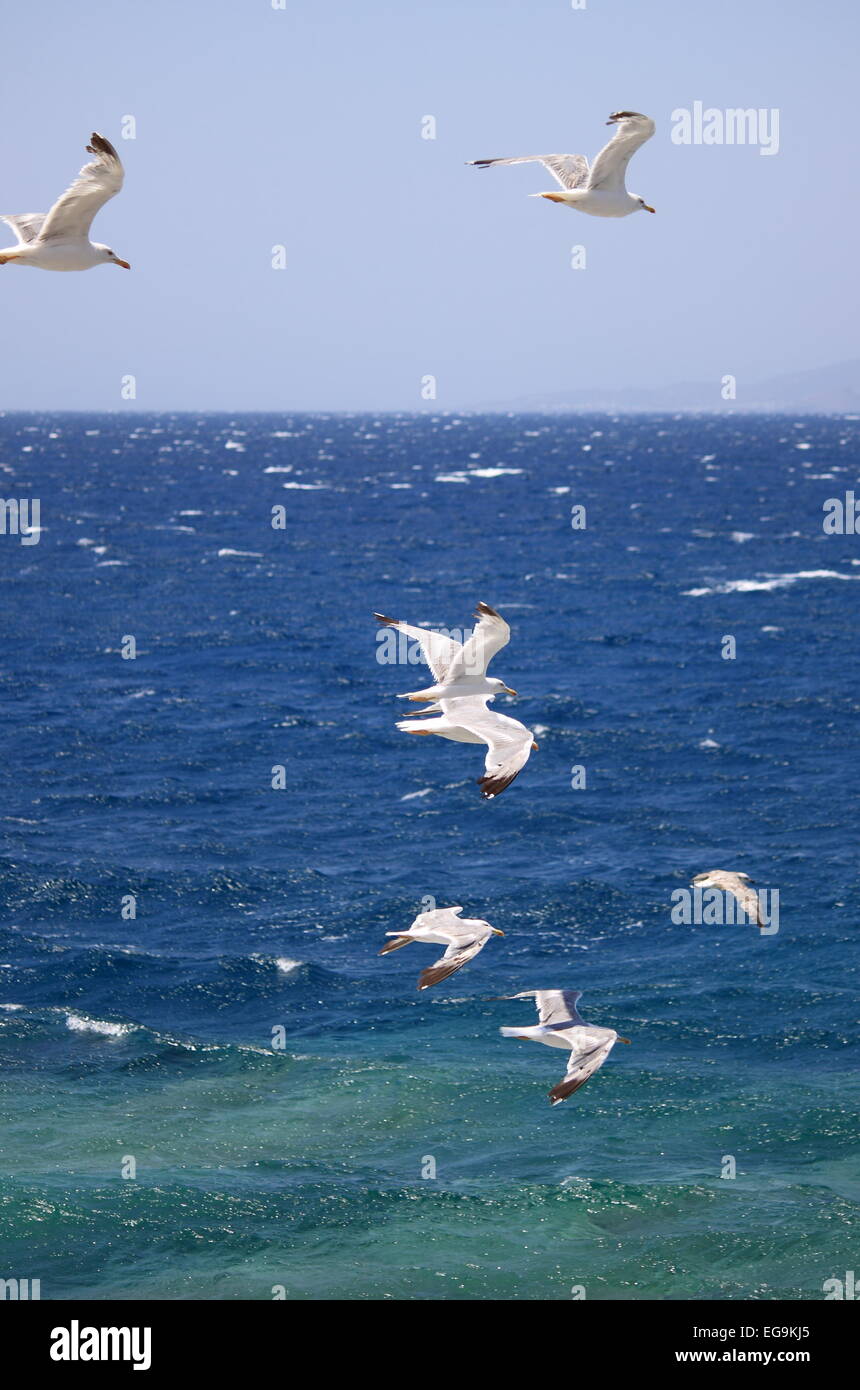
[(242, 554), (410, 796), (286, 965), (79, 1023), (491, 472), (767, 584)]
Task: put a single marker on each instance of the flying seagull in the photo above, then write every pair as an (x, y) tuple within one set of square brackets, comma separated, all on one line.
[(60, 239), (561, 1026), (599, 190), (463, 937), (468, 720), (737, 885), (459, 668)]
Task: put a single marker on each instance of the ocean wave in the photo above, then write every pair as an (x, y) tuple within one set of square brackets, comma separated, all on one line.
[(767, 584), (491, 472), (285, 964), (80, 1023)]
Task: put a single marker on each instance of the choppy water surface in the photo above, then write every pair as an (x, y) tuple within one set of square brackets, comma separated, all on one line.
[(152, 1038)]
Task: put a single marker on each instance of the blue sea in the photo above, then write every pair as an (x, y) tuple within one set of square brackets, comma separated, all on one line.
[(229, 1094)]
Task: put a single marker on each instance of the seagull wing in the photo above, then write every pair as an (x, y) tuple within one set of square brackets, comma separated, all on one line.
[(557, 1007), (72, 214), (25, 225), (441, 919), (509, 742), (747, 897), (462, 948), (725, 881), (438, 651), (610, 166), (490, 634), (590, 1048), (569, 170)]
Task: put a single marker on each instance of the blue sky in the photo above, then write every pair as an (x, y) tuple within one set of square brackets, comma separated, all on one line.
[(302, 126)]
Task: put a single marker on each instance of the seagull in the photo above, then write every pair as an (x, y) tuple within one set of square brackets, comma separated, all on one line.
[(737, 885), (468, 720), (443, 926), (459, 667), (59, 239), (561, 1026), (599, 190)]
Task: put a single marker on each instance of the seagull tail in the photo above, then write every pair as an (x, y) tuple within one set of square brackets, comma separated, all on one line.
[(417, 726)]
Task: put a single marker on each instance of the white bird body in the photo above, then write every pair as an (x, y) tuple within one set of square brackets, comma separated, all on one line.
[(59, 239), (459, 668), (464, 720), (561, 1026), (727, 881), (598, 202), (598, 190), (58, 255), (463, 938)]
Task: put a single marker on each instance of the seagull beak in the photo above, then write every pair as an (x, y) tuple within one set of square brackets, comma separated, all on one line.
[(496, 931), (625, 1040), (508, 691), (648, 209), (125, 265)]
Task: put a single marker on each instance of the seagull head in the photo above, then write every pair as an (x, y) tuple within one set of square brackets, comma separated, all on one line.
[(646, 207), (108, 255), (499, 687)]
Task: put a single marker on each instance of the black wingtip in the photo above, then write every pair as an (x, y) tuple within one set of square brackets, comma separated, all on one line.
[(484, 609), (99, 145), (381, 618), (494, 786)]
